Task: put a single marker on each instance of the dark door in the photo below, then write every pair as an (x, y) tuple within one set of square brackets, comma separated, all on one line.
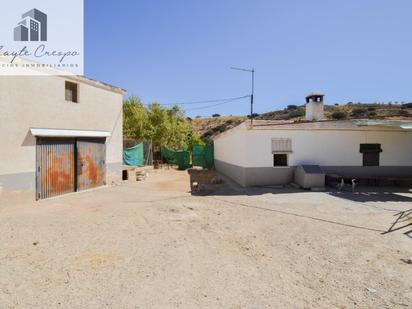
[(55, 161), (91, 163), (371, 154), (371, 159)]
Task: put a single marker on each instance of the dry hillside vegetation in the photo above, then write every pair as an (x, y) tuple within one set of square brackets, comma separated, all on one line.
[(209, 127), (345, 111)]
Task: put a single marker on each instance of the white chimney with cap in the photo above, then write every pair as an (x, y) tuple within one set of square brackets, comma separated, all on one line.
[(314, 106)]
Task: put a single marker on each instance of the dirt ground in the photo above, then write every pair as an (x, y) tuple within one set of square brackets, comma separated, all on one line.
[(152, 245)]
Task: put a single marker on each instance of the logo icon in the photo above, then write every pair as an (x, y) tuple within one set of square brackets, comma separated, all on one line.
[(32, 27)]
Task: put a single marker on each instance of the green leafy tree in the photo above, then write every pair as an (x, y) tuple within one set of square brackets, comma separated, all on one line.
[(161, 125), (135, 119), (194, 139)]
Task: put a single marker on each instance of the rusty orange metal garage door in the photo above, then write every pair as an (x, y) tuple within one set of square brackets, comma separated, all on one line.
[(65, 165), (55, 173), (91, 163)]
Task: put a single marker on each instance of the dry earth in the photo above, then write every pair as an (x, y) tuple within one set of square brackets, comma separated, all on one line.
[(153, 245)]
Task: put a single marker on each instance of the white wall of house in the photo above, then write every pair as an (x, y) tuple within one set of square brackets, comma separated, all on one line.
[(324, 147), (231, 146), (252, 148), (27, 102)]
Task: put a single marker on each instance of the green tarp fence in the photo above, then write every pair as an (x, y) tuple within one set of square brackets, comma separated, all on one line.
[(181, 158), (134, 156), (202, 156)]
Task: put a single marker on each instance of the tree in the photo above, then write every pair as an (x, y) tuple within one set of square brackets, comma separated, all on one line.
[(194, 139), (178, 129), (161, 125), (135, 119)]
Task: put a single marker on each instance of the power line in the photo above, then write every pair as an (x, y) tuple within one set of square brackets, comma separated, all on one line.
[(225, 102), (205, 101)]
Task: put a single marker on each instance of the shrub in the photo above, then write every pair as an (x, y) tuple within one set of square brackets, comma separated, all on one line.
[(255, 116), (370, 108), (216, 115), (291, 107), (407, 105), (403, 112), (339, 115), (359, 111), (296, 113)]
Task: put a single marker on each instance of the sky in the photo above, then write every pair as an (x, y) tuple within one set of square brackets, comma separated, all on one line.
[(182, 50)]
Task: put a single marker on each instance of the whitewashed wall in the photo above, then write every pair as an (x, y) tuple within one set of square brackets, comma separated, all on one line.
[(252, 148), (230, 147)]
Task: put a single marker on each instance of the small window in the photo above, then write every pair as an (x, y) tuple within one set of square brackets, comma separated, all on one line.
[(72, 92), (280, 159)]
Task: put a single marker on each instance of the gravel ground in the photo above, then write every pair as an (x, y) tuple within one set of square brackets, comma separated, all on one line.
[(153, 245)]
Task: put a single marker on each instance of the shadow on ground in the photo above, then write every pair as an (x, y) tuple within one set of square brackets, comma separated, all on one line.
[(361, 195), (378, 194), (403, 219)]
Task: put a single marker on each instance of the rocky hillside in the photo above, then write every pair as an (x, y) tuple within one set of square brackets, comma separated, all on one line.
[(345, 111), (208, 127)]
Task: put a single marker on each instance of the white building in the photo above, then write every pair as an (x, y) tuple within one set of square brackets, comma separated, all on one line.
[(58, 134), (268, 152)]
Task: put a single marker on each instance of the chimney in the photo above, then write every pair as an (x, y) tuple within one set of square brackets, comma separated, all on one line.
[(314, 106)]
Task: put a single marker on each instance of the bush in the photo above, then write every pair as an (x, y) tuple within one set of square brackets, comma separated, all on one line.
[(296, 113), (370, 108), (359, 111), (371, 114), (407, 105), (216, 115), (403, 112), (255, 116), (338, 115), (291, 107)]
